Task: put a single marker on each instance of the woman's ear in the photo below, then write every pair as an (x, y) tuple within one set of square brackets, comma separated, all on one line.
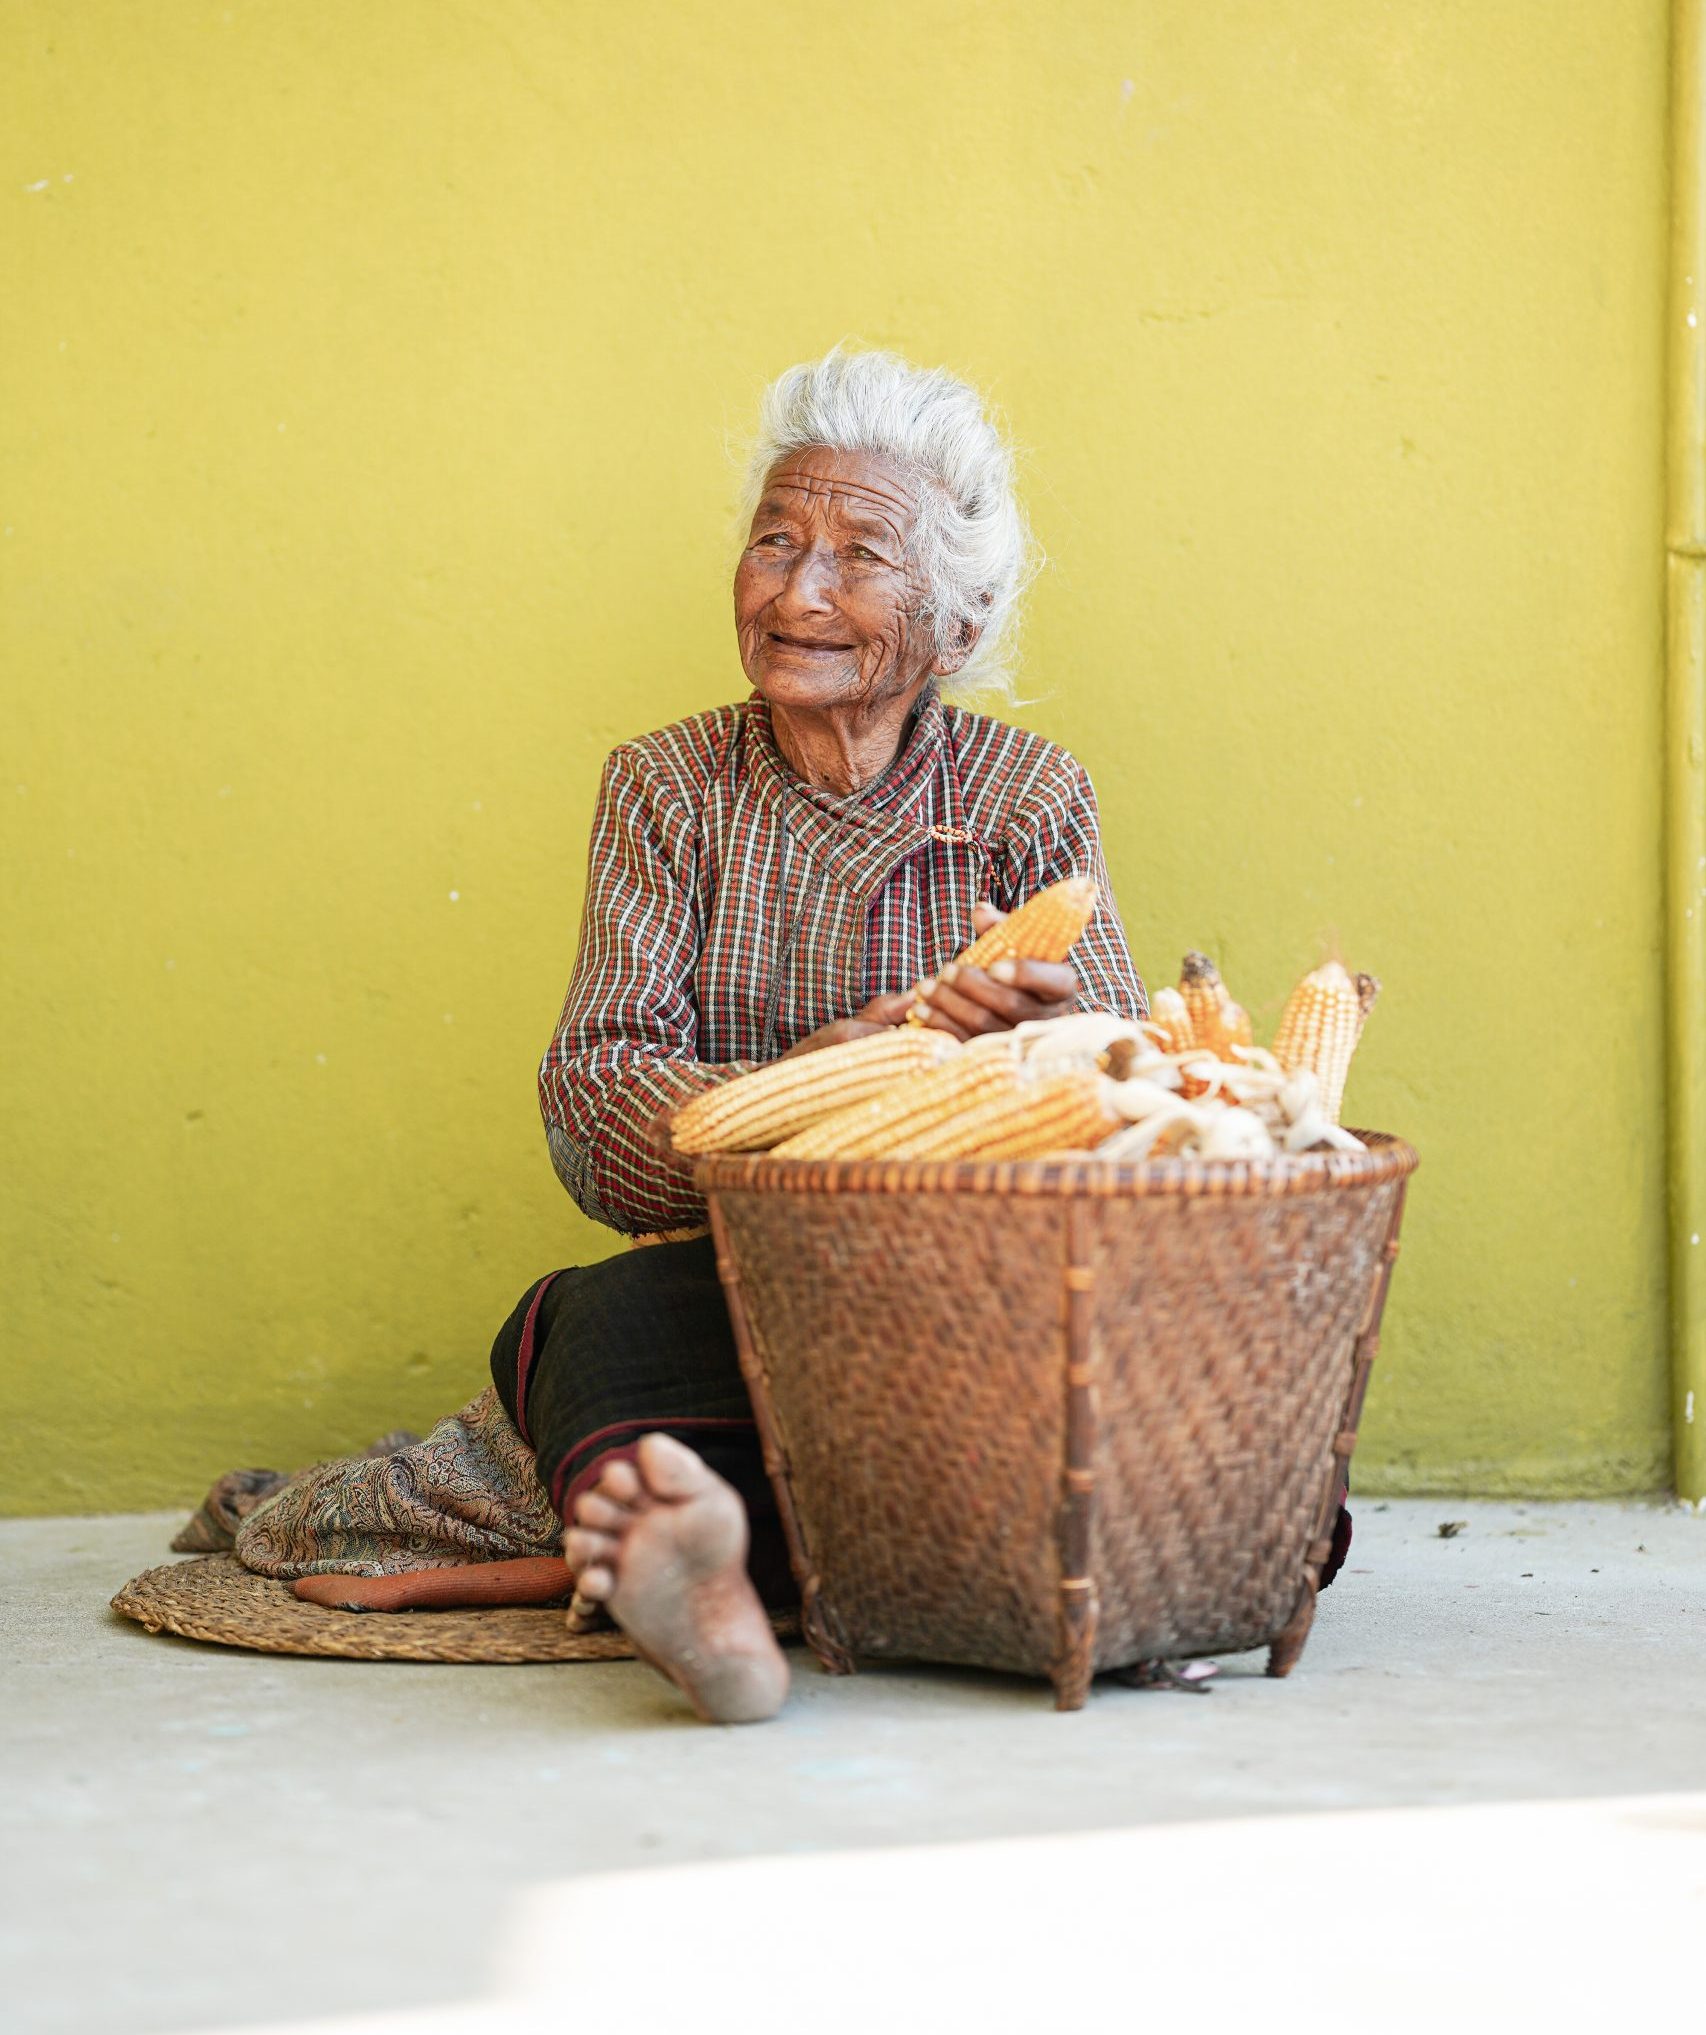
[(950, 660)]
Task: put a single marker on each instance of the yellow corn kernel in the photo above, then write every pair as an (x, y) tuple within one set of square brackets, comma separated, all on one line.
[(868, 1129), (1050, 1115), (1170, 1022), (1319, 1031), (759, 1109)]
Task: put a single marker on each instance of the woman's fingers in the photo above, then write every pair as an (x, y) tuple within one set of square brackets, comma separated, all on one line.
[(969, 1002), (922, 998), (839, 1034), (966, 1015), (886, 1010), (1053, 995), (984, 916), (881, 1014), (1047, 981)]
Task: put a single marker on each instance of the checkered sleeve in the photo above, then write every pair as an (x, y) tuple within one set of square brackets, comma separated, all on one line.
[(624, 1049), (1065, 839)]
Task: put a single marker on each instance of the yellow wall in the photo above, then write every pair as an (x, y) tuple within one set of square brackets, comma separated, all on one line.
[(369, 371)]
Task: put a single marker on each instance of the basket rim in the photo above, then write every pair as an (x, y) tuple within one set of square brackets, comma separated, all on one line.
[(1386, 1158)]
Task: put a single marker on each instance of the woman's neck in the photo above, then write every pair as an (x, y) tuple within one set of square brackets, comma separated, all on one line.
[(842, 749)]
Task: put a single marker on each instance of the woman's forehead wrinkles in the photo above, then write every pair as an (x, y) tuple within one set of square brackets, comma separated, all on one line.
[(855, 491)]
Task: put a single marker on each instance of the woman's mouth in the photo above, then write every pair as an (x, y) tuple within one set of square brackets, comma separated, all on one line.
[(806, 646)]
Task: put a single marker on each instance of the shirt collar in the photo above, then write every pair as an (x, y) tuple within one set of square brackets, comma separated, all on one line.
[(856, 841), (897, 791)]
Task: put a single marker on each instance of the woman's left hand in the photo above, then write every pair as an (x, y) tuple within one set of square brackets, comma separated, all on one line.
[(881, 1014), (970, 1001)]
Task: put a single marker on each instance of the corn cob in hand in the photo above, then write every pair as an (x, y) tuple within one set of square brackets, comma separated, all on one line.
[(1046, 927)]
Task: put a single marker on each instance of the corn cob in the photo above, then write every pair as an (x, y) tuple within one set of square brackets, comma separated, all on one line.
[(1055, 1113), (771, 1103), (1235, 1029), (1226, 1026), (912, 1104), (1170, 1021), (1201, 988), (1216, 1021), (1319, 1031), (1046, 927)]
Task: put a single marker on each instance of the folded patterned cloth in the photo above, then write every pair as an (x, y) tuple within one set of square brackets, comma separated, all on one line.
[(212, 1529), (230, 1499), (466, 1493)]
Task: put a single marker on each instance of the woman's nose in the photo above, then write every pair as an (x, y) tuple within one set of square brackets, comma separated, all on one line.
[(811, 583)]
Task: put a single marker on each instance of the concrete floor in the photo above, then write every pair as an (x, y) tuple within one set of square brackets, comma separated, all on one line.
[(199, 1838)]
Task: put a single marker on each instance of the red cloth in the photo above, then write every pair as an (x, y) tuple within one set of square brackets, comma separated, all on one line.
[(543, 1579)]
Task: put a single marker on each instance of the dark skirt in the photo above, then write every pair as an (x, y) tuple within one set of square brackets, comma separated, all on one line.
[(594, 1357)]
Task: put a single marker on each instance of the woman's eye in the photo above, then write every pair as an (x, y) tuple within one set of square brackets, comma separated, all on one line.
[(865, 555), (776, 537)]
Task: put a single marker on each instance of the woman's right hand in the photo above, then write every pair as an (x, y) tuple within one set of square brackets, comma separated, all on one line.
[(967, 1002)]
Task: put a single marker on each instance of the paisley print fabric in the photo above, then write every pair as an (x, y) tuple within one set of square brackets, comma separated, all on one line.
[(467, 1493)]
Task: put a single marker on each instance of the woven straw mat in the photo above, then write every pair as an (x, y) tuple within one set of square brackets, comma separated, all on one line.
[(215, 1598)]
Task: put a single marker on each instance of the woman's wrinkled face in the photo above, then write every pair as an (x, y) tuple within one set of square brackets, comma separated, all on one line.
[(828, 597)]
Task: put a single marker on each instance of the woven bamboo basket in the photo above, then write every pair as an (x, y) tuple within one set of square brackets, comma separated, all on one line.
[(1059, 1417)]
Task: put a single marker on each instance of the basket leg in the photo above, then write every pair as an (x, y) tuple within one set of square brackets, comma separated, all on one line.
[(1288, 1642), (1075, 1660), (832, 1655), (1072, 1683), (1075, 1643)]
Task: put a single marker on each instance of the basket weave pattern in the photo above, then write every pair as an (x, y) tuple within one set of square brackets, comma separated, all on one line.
[(1219, 1388), (1057, 1418)]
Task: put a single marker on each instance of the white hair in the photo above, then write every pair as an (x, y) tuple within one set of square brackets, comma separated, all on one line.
[(971, 538)]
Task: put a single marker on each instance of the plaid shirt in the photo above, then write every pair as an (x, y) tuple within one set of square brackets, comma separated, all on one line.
[(732, 908)]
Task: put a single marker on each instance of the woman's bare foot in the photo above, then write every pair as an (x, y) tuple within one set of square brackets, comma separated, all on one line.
[(661, 1543)]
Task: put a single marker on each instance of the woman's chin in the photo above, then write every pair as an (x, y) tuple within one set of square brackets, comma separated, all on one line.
[(807, 682)]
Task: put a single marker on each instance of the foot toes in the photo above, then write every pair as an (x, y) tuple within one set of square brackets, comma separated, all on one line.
[(671, 1469), (596, 1582), (620, 1482), (593, 1509), (585, 1549)]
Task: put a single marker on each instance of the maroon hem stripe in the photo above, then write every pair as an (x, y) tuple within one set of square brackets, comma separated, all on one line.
[(525, 1354), (561, 1497)]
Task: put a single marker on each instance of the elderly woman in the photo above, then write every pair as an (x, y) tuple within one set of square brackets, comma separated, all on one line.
[(766, 879)]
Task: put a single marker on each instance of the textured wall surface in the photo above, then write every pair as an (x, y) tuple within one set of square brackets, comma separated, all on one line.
[(371, 373)]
